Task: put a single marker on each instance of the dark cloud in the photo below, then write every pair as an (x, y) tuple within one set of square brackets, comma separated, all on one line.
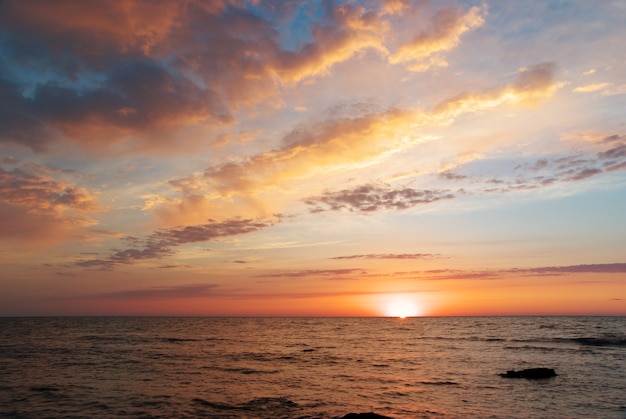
[(369, 198), (591, 268), (161, 243), (99, 264), (584, 173), (100, 72), (614, 137), (614, 153), (173, 266), (139, 96), (390, 256), (448, 175), (449, 274), (615, 167)]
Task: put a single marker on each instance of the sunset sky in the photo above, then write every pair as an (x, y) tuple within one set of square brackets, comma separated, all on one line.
[(328, 158)]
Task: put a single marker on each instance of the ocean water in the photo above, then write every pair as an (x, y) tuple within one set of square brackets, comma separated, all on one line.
[(311, 367)]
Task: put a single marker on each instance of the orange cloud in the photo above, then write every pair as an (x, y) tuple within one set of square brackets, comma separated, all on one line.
[(531, 84), (95, 29), (147, 69), (447, 25), (352, 141), (350, 29), (393, 7), (35, 208)]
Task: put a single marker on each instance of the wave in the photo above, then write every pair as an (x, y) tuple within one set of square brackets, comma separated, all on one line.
[(438, 383), (610, 340), (258, 404), (603, 341), (245, 371), (176, 340)]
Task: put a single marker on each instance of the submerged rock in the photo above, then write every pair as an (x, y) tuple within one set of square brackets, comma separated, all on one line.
[(531, 373), (368, 415)]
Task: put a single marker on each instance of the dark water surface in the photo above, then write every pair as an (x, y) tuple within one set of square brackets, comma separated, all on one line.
[(311, 367)]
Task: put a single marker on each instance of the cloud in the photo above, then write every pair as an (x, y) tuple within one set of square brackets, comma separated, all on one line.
[(584, 174), (121, 70), (175, 291), (173, 266), (131, 71), (346, 30), (491, 274), (589, 268), (35, 207), (591, 87), (138, 97), (326, 273), (91, 31), (369, 198), (452, 274), (614, 153), (446, 27), (305, 150), (530, 85), (544, 171), (395, 6), (161, 243), (410, 256), (354, 137), (40, 194)]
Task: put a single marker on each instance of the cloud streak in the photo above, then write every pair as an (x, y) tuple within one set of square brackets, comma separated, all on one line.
[(370, 198), (406, 256), (317, 273), (542, 172), (161, 243), (164, 292), (500, 274), (426, 48)]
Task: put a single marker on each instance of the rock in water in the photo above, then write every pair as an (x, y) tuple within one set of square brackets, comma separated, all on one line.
[(531, 373)]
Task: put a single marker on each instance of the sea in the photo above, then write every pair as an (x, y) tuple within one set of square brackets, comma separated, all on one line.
[(423, 367)]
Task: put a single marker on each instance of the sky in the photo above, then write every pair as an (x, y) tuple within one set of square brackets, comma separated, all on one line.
[(312, 158)]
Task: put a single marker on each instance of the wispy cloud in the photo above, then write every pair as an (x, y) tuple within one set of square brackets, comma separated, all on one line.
[(409, 256), (174, 291), (369, 198), (548, 170), (493, 274), (426, 48), (162, 243), (319, 273)]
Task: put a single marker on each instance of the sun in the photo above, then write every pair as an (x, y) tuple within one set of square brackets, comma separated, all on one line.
[(402, 308)]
